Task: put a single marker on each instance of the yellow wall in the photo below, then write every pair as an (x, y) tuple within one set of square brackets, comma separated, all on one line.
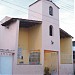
[(29, 39), (23, 38), (23, 43), (47, 59), (66, 50), (35, 37)]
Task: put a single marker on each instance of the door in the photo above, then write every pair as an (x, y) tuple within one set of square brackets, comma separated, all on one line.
[(54, 63), (5, 65), (51, 61)]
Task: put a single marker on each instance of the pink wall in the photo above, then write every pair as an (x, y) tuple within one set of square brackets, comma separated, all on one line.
[(35, 11), (47, 21), (42, 7), (66, 69), (8, 36)]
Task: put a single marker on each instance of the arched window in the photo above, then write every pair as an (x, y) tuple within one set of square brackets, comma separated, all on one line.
[(51, 10), (51, 30)]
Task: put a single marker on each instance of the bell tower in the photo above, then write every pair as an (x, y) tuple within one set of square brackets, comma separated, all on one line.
[(47, 12)]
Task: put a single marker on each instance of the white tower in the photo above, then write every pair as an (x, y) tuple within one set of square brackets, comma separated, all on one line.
[(48, 13)]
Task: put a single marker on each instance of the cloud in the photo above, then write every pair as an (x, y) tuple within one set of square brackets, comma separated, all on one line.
[(66, 11), (12, 11)]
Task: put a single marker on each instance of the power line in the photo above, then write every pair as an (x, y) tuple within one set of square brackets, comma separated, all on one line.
[(31, 10), (62, 5), (65, 6), (38, 12), (27, 9), (27, 13)]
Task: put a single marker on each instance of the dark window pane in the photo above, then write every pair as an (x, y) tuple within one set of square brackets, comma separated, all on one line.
[(51, 30), (51, 11)]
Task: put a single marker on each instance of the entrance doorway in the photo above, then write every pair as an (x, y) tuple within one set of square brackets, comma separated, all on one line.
[(51, 61)]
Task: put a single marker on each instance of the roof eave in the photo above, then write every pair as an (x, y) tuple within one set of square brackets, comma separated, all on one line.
[(40, 0), (55, 4), (9, 22), (68, 35), (34, 3)]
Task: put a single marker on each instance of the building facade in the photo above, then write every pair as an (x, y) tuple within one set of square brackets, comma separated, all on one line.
[(35, 46)]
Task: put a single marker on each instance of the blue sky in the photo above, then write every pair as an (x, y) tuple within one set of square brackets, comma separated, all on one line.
[(66, 12)]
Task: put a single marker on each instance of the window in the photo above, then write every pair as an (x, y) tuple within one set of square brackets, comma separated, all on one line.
[(51, 10), (51, 30), (34, 58)]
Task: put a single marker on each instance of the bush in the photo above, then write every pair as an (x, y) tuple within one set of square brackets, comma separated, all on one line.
[(46, 71)]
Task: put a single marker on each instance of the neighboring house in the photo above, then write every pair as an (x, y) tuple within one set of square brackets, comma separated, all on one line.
[(73, 45), (29, 46)]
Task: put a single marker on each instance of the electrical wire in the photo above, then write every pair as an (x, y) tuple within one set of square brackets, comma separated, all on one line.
[(32, 15), (66, 8), (40, 13), (30, 10)]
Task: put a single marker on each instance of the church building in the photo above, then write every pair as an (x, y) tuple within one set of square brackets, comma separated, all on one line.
[(35, 46)]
